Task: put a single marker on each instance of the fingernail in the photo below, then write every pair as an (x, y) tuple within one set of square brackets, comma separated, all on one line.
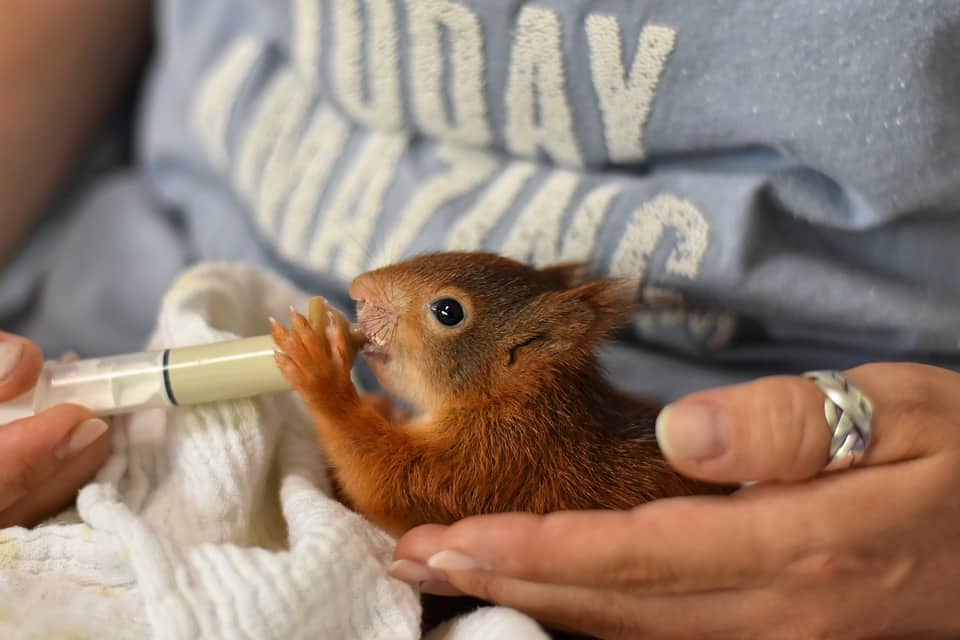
[(82, 436), (10, 353), (692, 432), (414, 572), (455, 561)]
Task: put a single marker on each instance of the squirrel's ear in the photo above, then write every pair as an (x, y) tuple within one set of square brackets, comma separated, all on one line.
[(573, 319), (566, 275), (597, 308)]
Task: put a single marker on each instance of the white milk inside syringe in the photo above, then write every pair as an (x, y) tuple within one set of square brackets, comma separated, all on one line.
[(104, 384)]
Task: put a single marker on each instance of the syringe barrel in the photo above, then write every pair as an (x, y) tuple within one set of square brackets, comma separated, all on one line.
[(108, 385), (224, 371), (181, 376)]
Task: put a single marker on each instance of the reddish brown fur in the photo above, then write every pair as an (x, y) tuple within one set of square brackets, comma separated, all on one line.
[(516, 414)]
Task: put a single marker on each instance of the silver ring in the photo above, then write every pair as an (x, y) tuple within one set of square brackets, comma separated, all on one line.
[(849, 415)]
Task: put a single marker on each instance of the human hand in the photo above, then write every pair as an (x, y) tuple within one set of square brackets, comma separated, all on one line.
[(46, 458), (868, 552)]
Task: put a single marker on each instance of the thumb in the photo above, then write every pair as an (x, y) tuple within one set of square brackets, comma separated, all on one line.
[(20, 364), (775, 429), (33, 450)]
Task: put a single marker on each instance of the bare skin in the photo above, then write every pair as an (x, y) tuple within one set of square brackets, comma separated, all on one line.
[(872, 552), (64, 67), (43, 460)]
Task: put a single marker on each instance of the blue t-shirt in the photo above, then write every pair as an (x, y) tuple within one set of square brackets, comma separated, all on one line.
[(779, 179)]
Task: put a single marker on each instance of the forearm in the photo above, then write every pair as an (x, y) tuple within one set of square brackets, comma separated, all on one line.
[(63, 67)]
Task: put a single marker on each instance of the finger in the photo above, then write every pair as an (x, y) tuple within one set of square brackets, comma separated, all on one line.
[(670, 546), (420, 542), (34, 449), (858, 512), (59, 491), (616, 614), (20, 364), (437, 587), (774, 429), (826, 529), (411, 553)]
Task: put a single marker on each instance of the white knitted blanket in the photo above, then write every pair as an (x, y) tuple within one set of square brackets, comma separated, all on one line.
[(216, 521)]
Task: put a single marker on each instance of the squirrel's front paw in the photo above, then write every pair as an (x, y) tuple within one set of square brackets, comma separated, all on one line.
[(316, 363)]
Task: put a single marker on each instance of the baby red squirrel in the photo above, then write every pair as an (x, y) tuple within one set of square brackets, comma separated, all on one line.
[(513, 412)]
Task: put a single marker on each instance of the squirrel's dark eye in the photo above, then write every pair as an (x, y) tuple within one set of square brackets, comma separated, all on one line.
[(447, 311)]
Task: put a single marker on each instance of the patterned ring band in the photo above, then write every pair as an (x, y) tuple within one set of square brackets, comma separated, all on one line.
[(849, 415)]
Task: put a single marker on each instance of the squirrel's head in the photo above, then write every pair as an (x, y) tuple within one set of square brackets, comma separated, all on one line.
[(464, 326)]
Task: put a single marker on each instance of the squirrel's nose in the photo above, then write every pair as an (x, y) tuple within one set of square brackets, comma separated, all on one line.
[(366, 293), (360, 289), (375, 291)]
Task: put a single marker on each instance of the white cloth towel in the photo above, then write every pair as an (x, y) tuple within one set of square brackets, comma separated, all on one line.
[(216, 521)]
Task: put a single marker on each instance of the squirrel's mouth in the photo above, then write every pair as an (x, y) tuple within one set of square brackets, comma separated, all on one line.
[(375, 348), (380, 326)]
